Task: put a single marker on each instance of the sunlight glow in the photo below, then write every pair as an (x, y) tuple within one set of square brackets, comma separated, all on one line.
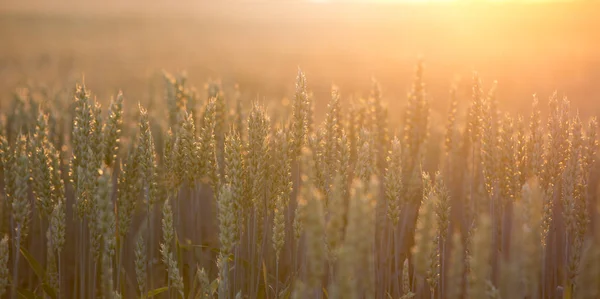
[(433, 1)]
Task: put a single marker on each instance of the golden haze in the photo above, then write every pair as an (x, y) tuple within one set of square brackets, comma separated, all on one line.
[(528, 48)]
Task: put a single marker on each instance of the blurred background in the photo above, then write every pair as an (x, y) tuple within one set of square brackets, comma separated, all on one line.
[(527, 46)]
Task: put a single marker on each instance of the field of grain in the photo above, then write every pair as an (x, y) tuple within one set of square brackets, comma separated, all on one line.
[(299, 150)]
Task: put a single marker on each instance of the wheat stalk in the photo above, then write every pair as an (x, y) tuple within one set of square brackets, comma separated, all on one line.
[(4, 273)]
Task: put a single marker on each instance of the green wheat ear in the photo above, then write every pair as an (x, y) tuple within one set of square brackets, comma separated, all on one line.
[(257, 163), (393, 182), (141, 264), (112, 130), (279, 226), (186, 160), (41, 167), (234, 170), (299, 125), (208, 146), (58, 226), (21, 208), (227, 220), (129, 188), (146, 160), (365, 165), (281, 188), (105, 228)]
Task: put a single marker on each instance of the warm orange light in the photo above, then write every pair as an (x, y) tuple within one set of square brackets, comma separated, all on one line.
[(435, 1)]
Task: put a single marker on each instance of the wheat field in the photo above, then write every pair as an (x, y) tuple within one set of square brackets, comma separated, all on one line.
[(225, 202), (183, 187)]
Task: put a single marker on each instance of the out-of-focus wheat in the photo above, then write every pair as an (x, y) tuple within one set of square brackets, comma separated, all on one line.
[(480, 269), (4, 273)]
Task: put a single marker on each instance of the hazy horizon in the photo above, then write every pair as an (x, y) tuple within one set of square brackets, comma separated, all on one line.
[(528, 49)]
